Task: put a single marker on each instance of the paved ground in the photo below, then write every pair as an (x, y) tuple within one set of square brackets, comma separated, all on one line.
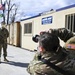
[(19, 59)]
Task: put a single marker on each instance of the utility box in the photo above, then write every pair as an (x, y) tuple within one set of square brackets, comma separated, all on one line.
[(11, 34), (14, 34)]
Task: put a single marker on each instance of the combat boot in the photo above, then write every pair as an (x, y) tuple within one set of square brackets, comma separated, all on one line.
[(5, 59)]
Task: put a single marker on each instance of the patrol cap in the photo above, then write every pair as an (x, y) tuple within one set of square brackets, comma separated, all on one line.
[(3, 24), (70, 44)]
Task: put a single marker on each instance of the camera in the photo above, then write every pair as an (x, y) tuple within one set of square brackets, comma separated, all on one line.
[(35, 38)]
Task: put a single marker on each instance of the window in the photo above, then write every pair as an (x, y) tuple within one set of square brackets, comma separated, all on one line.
[(70, 22), (28, 28)]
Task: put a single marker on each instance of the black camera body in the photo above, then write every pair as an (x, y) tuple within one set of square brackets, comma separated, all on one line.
[(35, 38)]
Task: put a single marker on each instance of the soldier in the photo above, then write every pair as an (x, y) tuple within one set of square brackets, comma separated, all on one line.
[(67, 36), (5, 34), (63, 33), (1, 42), (50, 49)]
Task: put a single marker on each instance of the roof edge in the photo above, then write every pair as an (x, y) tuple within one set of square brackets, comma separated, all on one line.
[(31, 17), (67, 7)]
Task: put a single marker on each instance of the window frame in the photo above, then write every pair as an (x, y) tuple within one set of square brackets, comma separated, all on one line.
[(28, 28), (70, 22)]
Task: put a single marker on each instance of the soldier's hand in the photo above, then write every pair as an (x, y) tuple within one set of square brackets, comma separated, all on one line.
[(42, 32), (50, 30)]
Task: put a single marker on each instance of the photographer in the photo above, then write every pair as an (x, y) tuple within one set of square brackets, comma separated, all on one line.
[(65, 35), (50, 49)]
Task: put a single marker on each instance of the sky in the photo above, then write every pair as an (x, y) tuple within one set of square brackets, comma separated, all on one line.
[(34, 7), (29, 8)]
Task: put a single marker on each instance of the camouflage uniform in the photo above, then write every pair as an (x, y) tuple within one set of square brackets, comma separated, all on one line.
[(1, 41), (63, 59), (60, 57), (63, 33), (4, 32), (67, 36), (37, 67)]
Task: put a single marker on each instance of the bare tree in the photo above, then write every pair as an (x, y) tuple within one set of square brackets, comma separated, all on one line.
[(7, 11)]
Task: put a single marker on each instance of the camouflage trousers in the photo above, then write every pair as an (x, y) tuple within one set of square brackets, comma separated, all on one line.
[(4, 46)]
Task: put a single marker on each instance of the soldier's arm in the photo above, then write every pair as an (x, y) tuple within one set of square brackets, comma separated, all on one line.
[(7, 33), (63, 33)]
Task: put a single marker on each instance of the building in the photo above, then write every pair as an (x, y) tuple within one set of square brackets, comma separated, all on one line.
[(60, 18)]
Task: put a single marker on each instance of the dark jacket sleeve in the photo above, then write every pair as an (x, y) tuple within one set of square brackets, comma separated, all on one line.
[(6, 33)]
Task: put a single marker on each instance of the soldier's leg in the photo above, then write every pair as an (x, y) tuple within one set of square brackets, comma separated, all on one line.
[(5, 52)]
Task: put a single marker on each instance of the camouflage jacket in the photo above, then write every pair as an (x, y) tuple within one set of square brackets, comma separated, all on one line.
[(5, 32), (61, 59), (1, 37), (63, 33)]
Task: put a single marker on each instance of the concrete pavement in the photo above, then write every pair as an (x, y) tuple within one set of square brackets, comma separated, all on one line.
[(18, 61)]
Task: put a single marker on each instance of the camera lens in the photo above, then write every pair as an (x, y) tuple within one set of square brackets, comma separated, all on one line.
[(35, 38)]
